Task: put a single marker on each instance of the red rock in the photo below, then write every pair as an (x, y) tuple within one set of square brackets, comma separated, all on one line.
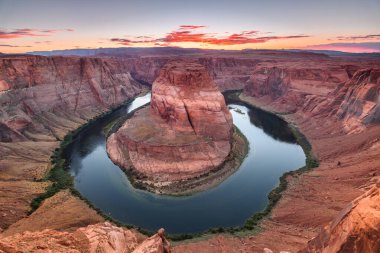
[(46, 95), (98, 238), (349, 94), (358, 100), (187, 98), (356, 229), (185, 133)]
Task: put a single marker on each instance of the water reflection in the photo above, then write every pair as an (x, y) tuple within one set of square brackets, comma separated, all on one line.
[(273, 126)]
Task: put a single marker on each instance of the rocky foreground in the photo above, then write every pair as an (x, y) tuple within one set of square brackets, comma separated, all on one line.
[(185, 133), (333, 101), (98, 238)]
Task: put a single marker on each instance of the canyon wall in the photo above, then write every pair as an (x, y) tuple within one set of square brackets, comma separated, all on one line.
[(42, 99), (333, 101), (41, 96), (325, 90)]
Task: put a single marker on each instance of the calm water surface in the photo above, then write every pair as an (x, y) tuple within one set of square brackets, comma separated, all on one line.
[(273, 151)]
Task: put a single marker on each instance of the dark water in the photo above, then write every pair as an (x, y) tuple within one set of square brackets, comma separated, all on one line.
[(273, 151)]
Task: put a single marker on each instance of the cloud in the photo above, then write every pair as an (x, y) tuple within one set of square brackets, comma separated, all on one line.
[(360, 47), (143, 37), (7, 45), (43, 42), (28, 32), (360, 37), (250, 32), (191, 27), (121, 41), (186, 33)]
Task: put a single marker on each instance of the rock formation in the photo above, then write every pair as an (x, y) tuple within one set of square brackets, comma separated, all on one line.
[(41, 100), (359, 99), (343, 93), (41, 97), (186, 132), (356, 229), (98, 238)]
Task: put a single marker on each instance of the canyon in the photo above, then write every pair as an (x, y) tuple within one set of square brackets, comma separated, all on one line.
[(334, 101), (185, 133)]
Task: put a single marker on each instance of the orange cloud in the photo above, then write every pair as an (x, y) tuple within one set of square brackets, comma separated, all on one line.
[(186, 33)]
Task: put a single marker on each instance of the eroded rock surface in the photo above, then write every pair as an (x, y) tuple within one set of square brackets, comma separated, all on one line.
[(186, 131), (41, 100), (97, 238), (345, 93), (356, 229)]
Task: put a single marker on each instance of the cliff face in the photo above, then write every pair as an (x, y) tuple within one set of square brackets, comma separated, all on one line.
[(356, 229), (229, 72), (42, 96), (187, 98), (292, 85), (185, 133), (41, 100), (336, 92), (359, 99)]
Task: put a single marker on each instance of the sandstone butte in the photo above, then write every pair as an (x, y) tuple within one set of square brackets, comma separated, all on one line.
[(184, 133), (334, 101)]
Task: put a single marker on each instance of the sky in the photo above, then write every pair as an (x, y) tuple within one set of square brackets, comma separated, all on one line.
[(344, 25)]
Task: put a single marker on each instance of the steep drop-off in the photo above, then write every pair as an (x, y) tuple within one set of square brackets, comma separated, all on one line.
[(355, 229), (42, 99), (333, 92)]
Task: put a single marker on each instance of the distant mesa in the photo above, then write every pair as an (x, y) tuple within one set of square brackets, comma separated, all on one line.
[(185, 133)]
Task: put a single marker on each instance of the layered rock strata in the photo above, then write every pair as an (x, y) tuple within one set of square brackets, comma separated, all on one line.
[(41, 100), (184, 133)]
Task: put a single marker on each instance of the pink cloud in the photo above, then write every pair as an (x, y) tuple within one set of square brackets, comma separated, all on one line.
[(27, 32)]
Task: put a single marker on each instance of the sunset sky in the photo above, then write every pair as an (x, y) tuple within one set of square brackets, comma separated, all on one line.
[(345, 25)]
